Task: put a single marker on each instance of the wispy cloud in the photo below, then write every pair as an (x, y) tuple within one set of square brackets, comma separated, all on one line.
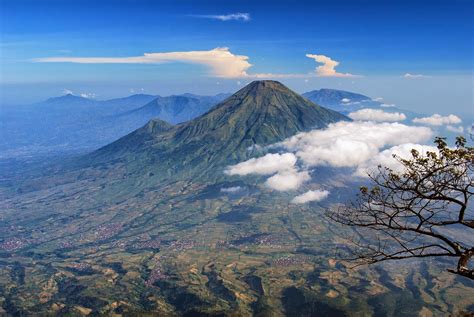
[(231, 190), (239, 16), (387, 105), (88, 95), (328, 69), (221, 61), (414, 76)]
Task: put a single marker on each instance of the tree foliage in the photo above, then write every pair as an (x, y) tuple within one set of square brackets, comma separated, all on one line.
[(420, 212)]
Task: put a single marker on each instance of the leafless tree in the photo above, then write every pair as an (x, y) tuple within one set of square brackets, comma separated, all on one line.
[(421, 212)]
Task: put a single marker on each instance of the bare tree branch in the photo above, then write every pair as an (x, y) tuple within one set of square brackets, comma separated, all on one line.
[(412, 214)]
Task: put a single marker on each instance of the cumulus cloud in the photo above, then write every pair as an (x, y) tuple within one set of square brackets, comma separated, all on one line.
[(376, 115), (345, 100), (359, 145), (346, 144), (414, 76), (385, 158), (438, 120), (226, 17), (287, 180), (458, 129), (231, 190), (221, 62), (310, 195), (328, 69), (265, 165)]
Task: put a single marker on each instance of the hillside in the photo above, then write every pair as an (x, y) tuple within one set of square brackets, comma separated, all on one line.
[(262, 113)]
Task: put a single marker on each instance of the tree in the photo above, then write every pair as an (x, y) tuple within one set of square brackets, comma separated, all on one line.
[(420, 212)]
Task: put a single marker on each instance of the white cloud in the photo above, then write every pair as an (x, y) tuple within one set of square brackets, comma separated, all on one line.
[(376, 115), (359, 144), (386, 159), (67, 92), (387, 105), (287, 180), (231, 190), (221, 61), (379, 99), (346, 144), (458, 129), (438, 120), (345, 100), (413, 76), (88, 95), (328, 69), (311, 195), (265, 165), (226, 17), (352, 103)]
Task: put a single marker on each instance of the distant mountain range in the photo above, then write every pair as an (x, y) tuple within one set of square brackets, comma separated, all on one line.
[(347, 102), (176, 109), (262, 113), (73, 124), (340, 100)]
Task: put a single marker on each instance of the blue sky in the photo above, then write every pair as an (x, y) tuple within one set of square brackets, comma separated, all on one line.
[(380, 41)]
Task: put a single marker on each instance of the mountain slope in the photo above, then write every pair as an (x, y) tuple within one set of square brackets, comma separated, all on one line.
[(333, 97), (73, 124), (262, 113), (177, 109)]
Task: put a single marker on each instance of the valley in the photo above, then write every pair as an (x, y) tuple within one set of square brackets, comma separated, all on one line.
[(152, 225)]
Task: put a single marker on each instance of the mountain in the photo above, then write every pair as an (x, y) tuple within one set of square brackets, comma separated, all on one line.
[(334, 97), (262, 113), (130, 102), (69, 99), (177, 109), (73, 124), (346, 102), (340, 100)]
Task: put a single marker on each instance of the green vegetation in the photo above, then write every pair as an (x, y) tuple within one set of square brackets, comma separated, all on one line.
[(142, 227)]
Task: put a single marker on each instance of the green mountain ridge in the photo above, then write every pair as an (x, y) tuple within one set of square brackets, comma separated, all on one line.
[(262, 113)]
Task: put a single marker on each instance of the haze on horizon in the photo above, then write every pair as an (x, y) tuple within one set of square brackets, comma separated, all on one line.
[(419, 60)]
